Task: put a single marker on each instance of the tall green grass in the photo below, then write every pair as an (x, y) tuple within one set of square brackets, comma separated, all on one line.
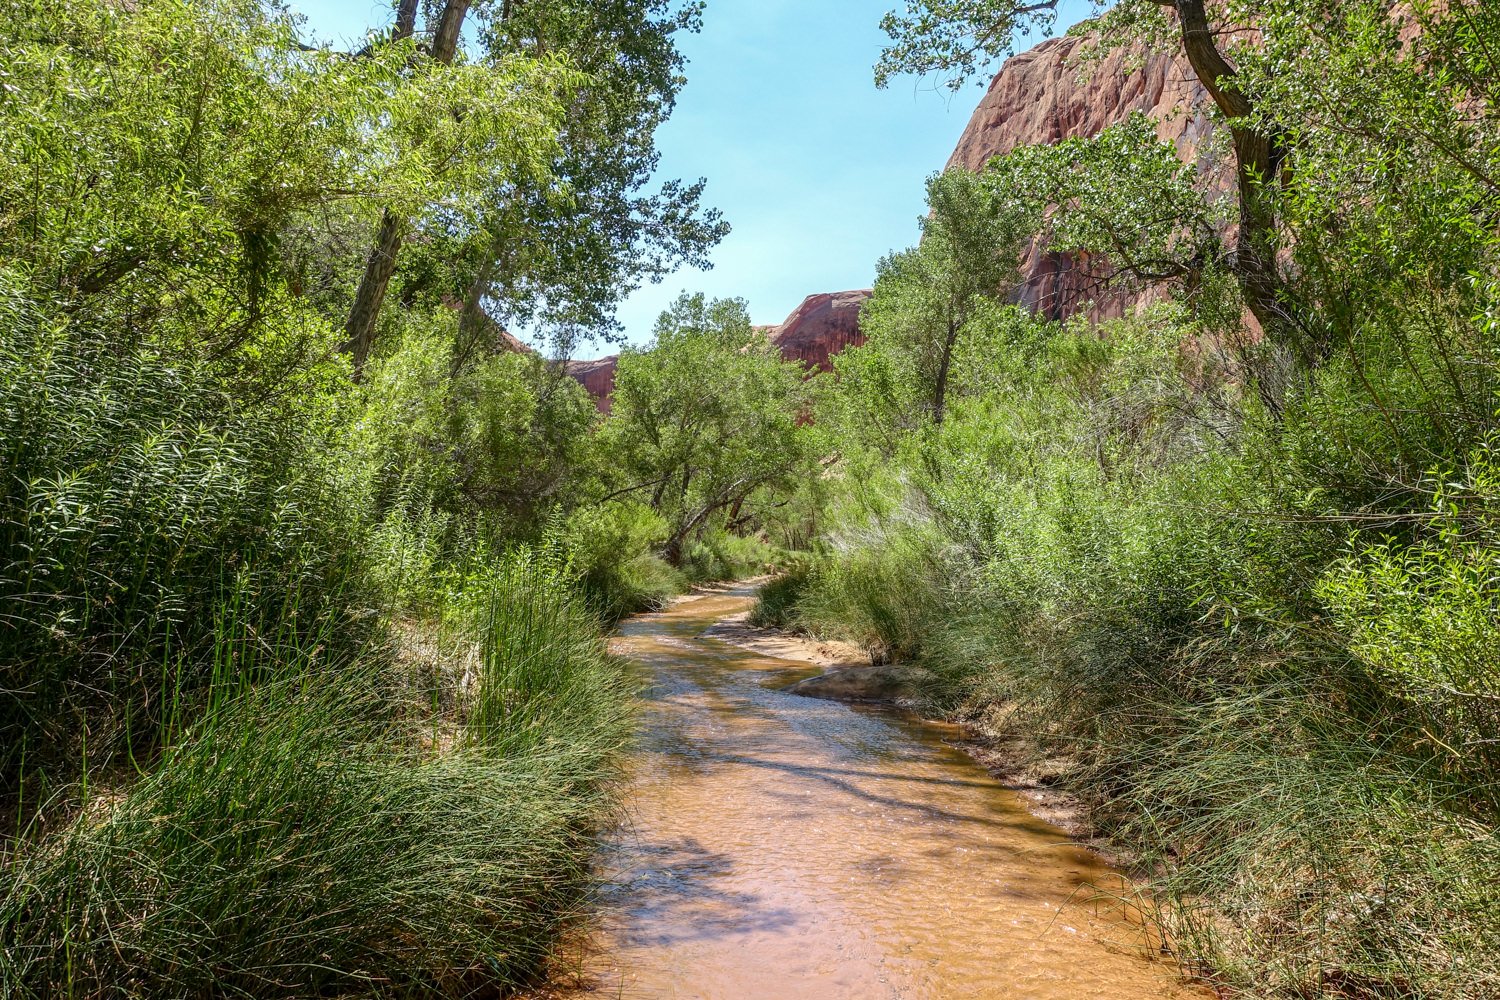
[(1262, 656), (138, 501), (326, 832)]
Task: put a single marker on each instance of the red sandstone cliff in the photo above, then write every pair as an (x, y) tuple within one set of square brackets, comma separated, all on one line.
[(597, 376), (819, 328), (1040, 96)]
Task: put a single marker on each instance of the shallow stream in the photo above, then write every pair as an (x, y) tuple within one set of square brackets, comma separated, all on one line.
[(782, 847)]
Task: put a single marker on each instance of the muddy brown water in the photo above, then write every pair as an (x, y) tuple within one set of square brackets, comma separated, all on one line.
[(781, 847)]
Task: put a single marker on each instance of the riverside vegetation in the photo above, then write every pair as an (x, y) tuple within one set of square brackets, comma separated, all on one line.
[(305, 564)]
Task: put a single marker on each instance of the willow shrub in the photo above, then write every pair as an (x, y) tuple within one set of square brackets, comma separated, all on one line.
[(138, 501)]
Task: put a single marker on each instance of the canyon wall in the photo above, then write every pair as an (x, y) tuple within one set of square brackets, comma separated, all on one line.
[(820, 327), (1048, 94)]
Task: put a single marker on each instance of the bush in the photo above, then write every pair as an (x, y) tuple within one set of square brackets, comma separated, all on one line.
[(140, 502), (611, 548), (1259, 648), (720, 555), (777, 600)]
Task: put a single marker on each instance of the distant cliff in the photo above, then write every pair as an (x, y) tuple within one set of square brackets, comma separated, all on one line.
[(1045, 95), (821, 326)]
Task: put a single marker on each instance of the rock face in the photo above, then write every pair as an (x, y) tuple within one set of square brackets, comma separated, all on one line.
[(598, 377), (822, 326), (1043, 96), (819, 328)]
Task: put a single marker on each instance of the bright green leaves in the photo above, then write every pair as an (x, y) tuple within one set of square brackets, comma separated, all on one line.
[(706, 417), (1123, 194), (956, 38), (1421, 618), (926, 297), (160, 152)]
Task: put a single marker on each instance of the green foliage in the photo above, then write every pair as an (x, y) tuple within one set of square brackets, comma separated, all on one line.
[(720, 555), (1256, 643), (557, 252), (777, 600), (1122, 193), (926, 298), (705, 421), (612, 547), (140, 504), (161, 155), (303, 837), (505, 436), (285, 708), (956, 37)]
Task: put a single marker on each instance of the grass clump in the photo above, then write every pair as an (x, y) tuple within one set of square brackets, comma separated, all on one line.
[(1267, 672), (315, 834)]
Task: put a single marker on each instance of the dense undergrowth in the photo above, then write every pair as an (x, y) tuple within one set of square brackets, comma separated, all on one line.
[(1259, 647), (1232, 582)]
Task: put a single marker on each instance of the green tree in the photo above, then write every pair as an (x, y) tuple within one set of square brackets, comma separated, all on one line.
[(959, 37), (1360, 161), (705, 418), (967, 261), (161, 156), (558, 249)]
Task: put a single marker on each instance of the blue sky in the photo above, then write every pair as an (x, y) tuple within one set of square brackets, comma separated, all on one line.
[(819, 173)]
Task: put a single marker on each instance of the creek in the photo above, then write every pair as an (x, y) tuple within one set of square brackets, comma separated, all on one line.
[(776, 846)]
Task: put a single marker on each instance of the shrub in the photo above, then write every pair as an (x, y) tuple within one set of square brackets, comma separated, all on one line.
[(777, 601), (139, 501), (611, 549)]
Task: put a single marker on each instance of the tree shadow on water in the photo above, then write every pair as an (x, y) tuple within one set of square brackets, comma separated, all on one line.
[(674, 891)]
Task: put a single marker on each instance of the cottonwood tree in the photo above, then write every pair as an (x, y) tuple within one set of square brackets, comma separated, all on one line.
[(705, 418), (959, 37), (926, 298), (1354, 129), (162, 157), (558, 249)]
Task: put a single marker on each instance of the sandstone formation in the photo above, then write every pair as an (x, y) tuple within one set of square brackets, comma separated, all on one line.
[(819, 328), (1048, 94), (597, 376), (822, 326)]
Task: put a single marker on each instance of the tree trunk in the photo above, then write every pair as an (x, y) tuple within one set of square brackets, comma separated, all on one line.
[(940, 391), (1258, 160), (445, 39), (406, 20), (471, 318), (359, 329)]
